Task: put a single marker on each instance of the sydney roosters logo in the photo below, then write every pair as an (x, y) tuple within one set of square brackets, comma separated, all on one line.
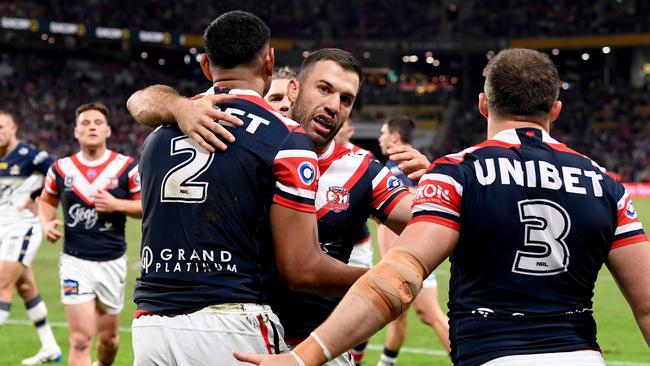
[(338, 199)]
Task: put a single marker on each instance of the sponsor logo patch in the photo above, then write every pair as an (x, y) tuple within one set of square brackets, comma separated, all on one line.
[(338, 199), (630, 211), (70, 287), (307, 173), (392, 183)]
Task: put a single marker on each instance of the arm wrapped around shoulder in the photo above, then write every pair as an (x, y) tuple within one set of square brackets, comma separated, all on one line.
[(392, 285)]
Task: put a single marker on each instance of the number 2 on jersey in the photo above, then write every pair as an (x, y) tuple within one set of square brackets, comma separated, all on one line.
[(179, 184), (546, 225)]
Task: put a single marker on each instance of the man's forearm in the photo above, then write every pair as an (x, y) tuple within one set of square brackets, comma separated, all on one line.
[(154, 105)]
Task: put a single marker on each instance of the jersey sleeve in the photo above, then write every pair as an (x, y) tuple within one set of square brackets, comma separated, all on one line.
[(133, 181), (295, 168), (387, 190), (42, 162), (51, 192), (438, 197), (629, 229)]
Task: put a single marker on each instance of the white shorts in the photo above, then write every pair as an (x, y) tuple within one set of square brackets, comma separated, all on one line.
[(208, 336), (20, 242), (361, 255), (577, 358), (83, 281), (430, 281)]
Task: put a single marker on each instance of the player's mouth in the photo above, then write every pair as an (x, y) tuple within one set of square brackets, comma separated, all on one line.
[(323, 124)]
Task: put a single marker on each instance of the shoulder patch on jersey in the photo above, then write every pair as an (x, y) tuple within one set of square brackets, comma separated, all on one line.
[(307, 173), (630, 211), (23, 151), (69, 180), (338, 199), (393, 182)]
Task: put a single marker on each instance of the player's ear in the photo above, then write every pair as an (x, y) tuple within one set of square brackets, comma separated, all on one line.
[(483, 105), (269, 62), (555, 110), (110, 131), (292, 90), (205, 66)]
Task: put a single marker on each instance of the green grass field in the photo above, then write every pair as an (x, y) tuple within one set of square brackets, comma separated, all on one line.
[(619, 336)]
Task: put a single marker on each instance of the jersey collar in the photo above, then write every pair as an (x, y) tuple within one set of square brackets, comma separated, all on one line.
[(97, 162)]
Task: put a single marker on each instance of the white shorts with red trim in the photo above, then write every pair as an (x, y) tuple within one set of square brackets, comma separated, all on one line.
[(362, 254), (577, 358), (208, 336), (19, 242), (83, 281)]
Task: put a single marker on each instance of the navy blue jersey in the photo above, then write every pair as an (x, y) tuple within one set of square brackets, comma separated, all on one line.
[(91, 235), (364, 233), (206, 235), (537, 221), (351, 188), (393, 166), (21, 173)]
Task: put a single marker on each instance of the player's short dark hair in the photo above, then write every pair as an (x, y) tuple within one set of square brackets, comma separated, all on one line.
[(284, 73), (343, 58), (403, 125), (91, 107), (521, 82), (235, 38)]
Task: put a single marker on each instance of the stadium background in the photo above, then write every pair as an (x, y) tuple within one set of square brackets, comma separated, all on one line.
[(421, 58)]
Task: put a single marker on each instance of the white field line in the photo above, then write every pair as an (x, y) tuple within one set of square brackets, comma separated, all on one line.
[(375, 347)]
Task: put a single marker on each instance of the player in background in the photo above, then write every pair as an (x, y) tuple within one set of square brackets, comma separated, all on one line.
[(277, 94), (97, 189), (512, 211), (397, 133), (22, 168), (212, 244)]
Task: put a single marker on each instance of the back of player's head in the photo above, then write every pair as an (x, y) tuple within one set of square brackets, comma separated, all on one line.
[(284, 73), (521, 82), (343, 58), (235, 38), (91, 107), (402, 125)]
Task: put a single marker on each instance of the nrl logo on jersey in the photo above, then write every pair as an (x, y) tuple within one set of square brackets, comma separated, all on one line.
[(15, 170), (338, 199), (69, 180)]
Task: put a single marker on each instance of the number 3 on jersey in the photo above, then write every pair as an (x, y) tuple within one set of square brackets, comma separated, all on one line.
[(546, 225), (179, 184)]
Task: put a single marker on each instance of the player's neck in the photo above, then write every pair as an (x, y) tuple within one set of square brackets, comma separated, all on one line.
[(235, 79), (4, 152), (495, 127), (92, 153)]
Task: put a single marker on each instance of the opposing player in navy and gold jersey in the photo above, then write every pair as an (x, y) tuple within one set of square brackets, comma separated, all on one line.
[(217, 226), (22, 168), (97, 189), (528, 223)]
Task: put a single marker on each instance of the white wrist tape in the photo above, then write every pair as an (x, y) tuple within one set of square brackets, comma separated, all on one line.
[(322, 345), (298, 359)]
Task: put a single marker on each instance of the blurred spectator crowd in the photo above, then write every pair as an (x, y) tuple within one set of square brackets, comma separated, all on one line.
[(609, 124), (364, 19)]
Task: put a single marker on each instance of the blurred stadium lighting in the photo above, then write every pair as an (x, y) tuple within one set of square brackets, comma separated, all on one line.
[(413, 58), (366, 55), (585, 56), (436, 63), (406, 59), (430, 59), (187, 59), (161, 61), (144, 55), (555, 52), (607, 50)]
